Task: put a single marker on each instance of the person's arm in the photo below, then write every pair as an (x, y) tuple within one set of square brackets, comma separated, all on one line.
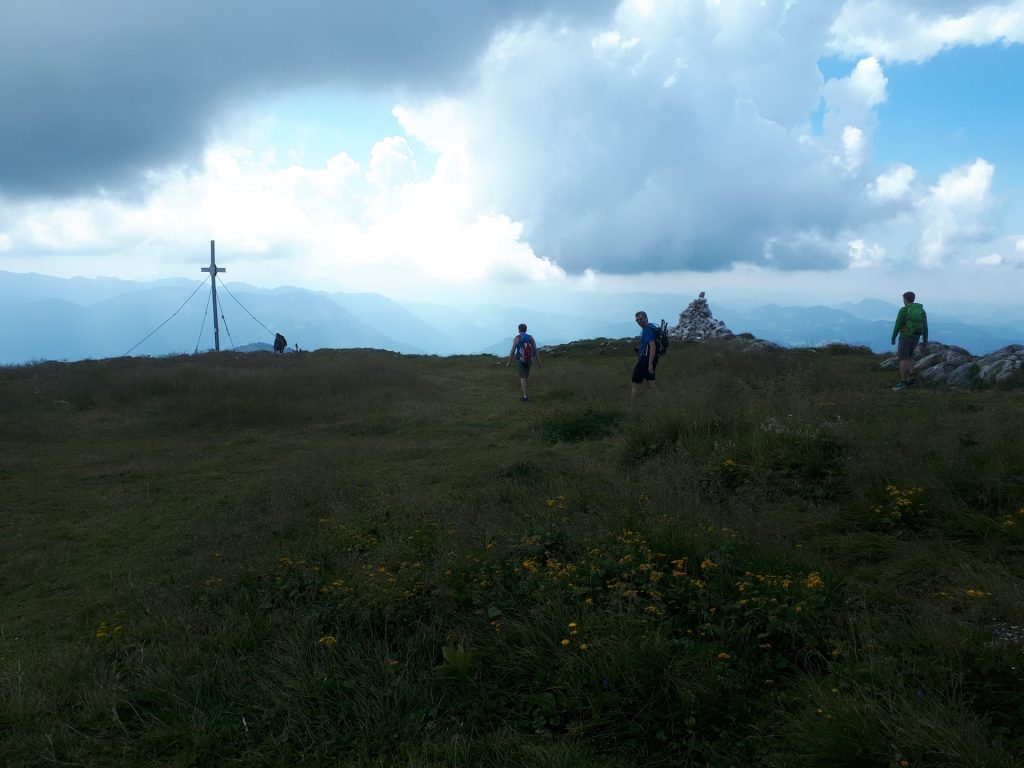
[(652, 351), (924, 337), (901, 320), (511, 352), (536, 353)]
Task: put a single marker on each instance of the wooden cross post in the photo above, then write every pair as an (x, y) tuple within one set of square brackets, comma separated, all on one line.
[(213, 269)]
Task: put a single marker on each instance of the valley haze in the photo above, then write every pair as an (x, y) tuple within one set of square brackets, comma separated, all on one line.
[(50, 318)]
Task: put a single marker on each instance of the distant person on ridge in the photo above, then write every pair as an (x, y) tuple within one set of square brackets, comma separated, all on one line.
[(646, 355), (911, 325), (524, 352), (280, 342)]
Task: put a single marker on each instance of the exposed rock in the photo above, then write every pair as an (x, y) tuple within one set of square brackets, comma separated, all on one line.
[(956, 367), (747, 342), (696, 323)]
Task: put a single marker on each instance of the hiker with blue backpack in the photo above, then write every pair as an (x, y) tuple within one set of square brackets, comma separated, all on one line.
[(911, 326), (653, 341), (524, 352)]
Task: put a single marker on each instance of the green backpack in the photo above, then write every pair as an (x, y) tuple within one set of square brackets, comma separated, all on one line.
[(915, 319)]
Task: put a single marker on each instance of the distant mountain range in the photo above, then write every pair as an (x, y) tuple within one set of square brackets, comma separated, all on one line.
[(868, 323), (48, 318)]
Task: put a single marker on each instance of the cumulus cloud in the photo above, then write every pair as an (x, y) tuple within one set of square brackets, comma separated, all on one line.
[(338, 222), (389, 158), (992, 260), (575, 134), (894, 185), (97, 93), (915, 30), (959, 209), (851, 100), (854, 148), (864, 255)]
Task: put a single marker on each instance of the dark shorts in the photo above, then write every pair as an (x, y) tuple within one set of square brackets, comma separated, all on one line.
[(640, 372), (907, 345), (523, 368)]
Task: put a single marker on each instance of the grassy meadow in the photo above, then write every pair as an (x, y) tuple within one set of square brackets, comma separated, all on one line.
[(358, 558)]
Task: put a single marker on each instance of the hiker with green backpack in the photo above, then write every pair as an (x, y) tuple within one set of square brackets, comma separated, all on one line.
[(911, 325)]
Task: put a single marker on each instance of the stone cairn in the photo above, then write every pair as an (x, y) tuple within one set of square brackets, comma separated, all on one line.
[(696, 323)]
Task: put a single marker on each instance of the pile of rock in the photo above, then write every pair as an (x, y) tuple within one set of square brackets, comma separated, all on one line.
[(956, 367), (696, 323)]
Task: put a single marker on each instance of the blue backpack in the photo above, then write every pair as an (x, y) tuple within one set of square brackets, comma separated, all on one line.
[(525, 348)]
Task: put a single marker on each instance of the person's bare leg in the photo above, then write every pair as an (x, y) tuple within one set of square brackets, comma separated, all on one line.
[(906, 369)]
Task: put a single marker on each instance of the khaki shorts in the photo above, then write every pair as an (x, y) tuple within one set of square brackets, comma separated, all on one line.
[(907, 345)]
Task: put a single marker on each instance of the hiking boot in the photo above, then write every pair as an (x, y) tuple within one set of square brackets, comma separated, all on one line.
[(525, 398), (901, 385)]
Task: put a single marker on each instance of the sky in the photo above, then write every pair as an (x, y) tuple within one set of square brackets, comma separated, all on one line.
[(466, 151)]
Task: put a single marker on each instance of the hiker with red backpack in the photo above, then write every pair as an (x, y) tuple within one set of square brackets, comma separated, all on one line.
[(911, 325), (524, 352)]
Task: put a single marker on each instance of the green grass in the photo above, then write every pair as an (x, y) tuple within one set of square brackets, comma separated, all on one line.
[(359, 558)]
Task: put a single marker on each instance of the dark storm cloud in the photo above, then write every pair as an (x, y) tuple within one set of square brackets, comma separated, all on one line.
[(94, 93)]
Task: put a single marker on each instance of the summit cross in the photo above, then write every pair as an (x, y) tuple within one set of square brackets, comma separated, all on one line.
[(213, 269)]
